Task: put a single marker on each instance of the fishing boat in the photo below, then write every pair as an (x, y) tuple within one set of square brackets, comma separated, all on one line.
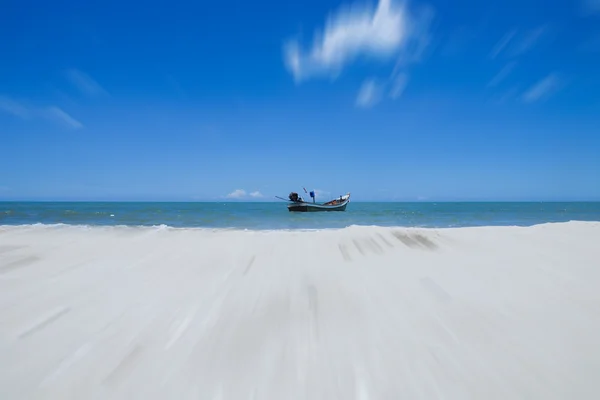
[(298, 204)]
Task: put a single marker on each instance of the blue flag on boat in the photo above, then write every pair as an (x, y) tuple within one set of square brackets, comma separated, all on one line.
[(312, 194)]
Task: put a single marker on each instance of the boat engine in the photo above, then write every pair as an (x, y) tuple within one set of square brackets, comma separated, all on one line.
[(293, 196)]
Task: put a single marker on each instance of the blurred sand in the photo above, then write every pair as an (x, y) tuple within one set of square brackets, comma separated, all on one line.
[(359, 313)]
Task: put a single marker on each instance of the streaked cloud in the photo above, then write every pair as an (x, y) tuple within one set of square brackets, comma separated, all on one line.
[(419, 38), (381, 33), (61, 116), (398, 85), (515, 43), (372, 91), (502, 74), (14, 108), (256, 194), (53, 113), (527, 41), (542, 89), (369, 94), (503, 42), (508, 95), (84, 83)]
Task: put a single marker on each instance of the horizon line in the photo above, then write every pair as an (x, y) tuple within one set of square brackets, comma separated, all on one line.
[(229, 201)]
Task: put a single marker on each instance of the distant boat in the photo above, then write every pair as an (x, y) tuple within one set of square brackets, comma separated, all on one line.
[(299, 205)]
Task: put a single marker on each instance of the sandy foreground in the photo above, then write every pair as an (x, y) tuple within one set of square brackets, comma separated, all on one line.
[(359, 313)]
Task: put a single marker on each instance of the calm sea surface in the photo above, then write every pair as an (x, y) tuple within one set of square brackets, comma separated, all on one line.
[(276, 215)]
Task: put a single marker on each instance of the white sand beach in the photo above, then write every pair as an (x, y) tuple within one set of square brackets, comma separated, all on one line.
[(358, 313)]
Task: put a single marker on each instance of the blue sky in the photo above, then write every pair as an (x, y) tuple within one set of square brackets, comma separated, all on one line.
[(390, 100)]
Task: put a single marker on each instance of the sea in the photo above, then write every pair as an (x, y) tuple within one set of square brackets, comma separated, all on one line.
[(274, 216)]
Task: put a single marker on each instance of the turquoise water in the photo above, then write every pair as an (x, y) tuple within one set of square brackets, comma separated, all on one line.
[(276, 216)]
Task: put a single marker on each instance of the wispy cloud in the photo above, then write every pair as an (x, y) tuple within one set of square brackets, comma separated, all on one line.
[(14, 108), (508, 95), (418, 40), (352, 32), (591, 6), (50, 113), (372, 91), (500, 76), (256, 194), (514, 43), (369, 94), (542, 89), (59, 115), (527, 41), (398, 85), (84, 83)]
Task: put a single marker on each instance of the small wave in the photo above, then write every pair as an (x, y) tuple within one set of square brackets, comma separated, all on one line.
[(353, 227)]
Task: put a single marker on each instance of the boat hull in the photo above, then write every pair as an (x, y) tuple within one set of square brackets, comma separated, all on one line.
[(312, 207)]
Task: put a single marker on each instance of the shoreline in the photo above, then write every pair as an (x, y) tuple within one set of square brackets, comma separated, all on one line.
[(274, 230)]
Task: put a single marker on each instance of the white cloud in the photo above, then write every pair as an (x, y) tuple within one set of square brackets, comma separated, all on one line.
[(370, 93), (85, 83), (14, 108), (542, 89), (382, 33), (61, 116), (499, 77), (237, 194)]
